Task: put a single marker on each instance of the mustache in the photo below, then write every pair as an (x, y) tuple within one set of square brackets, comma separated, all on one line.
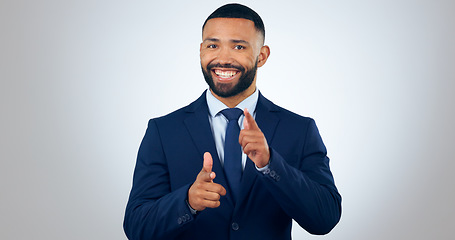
[(228, 65)]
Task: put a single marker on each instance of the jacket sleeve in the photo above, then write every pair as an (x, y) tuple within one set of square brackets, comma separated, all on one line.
[(153, 211), (306, 190)]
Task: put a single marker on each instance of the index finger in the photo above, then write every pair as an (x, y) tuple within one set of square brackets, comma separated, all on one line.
[(249, 122)]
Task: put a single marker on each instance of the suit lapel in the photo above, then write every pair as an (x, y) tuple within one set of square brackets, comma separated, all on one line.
[(266, 118), (267, 122)]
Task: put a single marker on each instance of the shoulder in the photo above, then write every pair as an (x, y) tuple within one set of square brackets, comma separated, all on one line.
[(180, 114), (282, 113)]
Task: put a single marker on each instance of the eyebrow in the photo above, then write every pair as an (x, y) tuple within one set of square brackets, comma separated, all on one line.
[(232, 40), (240, 41)]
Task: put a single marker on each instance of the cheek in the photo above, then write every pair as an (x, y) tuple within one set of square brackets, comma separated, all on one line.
[(249, 61), (201, 56), (205, 58)]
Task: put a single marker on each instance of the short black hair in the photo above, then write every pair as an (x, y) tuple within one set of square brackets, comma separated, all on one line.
[(235, 10)]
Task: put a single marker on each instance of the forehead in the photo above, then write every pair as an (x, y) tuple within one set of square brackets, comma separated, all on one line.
[(232, 28)]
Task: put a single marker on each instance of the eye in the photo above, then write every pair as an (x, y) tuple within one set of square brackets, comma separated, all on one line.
[(211, 46), (239, 47)]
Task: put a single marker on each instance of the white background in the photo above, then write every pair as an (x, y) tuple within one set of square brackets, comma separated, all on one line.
[(80, 79)]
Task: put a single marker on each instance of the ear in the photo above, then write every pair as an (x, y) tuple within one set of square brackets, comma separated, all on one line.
[(263, 55)]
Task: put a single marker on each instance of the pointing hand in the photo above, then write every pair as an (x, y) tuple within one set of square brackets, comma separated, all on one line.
[(204, 193), (253, 141)]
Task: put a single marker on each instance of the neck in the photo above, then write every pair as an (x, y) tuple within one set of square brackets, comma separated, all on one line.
[(235, 100)]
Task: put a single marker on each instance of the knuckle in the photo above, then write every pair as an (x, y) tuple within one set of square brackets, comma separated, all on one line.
[(214, 204)]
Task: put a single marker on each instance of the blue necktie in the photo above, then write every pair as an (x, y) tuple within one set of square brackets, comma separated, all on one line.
[(233, 150)]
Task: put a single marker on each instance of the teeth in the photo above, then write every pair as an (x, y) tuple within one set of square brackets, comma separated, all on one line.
[(225, 74)]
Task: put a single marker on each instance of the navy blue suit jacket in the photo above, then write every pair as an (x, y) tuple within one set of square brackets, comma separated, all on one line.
[(298, 184)]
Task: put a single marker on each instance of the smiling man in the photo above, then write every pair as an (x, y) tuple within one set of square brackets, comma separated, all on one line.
[(231, 165), (231, 51)]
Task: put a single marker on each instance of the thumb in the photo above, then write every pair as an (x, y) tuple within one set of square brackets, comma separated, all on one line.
[(208, 162)]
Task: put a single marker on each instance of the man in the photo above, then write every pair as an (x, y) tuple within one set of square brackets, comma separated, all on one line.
[(191, 183)]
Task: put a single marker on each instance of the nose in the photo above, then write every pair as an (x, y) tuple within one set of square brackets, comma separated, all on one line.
[(224, 56)]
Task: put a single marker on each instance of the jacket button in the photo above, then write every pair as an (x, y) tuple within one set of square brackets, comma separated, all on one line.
[(179, 220), (272, 174), (235, 226)]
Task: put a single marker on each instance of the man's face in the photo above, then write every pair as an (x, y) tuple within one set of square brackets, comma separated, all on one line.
[(230, 51)]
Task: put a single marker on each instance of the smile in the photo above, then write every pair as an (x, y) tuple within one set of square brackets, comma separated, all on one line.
[(225, 75)]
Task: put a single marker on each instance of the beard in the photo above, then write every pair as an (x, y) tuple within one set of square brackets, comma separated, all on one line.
[(226, 90)]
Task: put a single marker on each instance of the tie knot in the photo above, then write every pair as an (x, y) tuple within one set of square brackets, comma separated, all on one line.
[(232, 113)]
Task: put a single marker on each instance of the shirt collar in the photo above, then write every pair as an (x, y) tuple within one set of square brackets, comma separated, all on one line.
[(215, 105)]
